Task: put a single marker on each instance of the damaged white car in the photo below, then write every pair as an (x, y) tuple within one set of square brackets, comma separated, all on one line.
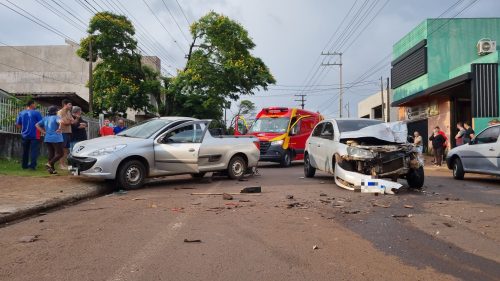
[(362, 153)]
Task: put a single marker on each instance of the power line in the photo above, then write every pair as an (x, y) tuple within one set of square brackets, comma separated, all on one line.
[(175, 21), (164, 28), (182, 10)]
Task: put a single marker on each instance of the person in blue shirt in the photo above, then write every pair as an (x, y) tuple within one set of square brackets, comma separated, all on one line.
[(51, 127), (26, 120), (120, 127)]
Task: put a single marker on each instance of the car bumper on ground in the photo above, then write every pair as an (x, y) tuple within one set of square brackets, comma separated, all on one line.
[(94, 167)]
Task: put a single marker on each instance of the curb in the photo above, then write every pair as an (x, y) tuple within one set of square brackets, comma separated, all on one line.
[(93, 191)]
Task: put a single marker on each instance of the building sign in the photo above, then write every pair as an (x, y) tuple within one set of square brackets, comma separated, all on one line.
[(422, 111)]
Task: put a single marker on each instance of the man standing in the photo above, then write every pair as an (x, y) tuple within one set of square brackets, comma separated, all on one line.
[(26, 120), (79, 128), (121, 126), (469, 133), (66, 121), (459, 138)]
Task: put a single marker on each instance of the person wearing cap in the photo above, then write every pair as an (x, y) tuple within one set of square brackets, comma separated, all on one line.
[(51, 125), (78, 128), (26, 120)]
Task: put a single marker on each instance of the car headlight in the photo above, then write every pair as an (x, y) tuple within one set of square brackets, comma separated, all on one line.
[(277, 142), (107, 150), (360, 153)]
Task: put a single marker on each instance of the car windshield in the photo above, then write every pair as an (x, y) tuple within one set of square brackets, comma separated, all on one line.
[(145, 129), (270, 125), (354, 125)]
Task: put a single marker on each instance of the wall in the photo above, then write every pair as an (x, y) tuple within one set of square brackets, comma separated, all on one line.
[(366, 106), (11, 147)]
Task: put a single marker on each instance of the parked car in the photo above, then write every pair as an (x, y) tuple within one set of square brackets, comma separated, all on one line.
[(282, 132), (481, 155), (357, 150), (162, 147)]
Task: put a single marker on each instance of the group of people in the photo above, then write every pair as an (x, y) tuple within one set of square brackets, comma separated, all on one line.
[(61, 128), (439, 140), (109, 129)]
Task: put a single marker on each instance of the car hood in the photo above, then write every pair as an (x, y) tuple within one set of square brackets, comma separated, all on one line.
[(88, 146), (392, 132)]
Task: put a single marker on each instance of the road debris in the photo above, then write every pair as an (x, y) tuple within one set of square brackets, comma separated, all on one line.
[(325, 201), (448, 224), (153, 206), (231, 204), (402, 216), (242, 179), (41, 221), (296, 204), (188, 187), (321, 182), (289, 196), (315, 247), (244, 200), (29, 238), (227, 196), (251, 189), (375, 204), (350, 212), (137, 199), (452, 199), (192, 241), (408, 206), (120, 192), (196, 203), (301, 177), (323, 194), (177, 209)]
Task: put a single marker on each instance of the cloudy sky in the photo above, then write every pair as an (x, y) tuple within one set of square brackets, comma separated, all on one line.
[(290, 36)]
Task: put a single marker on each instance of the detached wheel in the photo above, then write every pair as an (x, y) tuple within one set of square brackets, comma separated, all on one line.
[(286, 159), (131, 175), (236, 168), (309, 170), (198, 175), (415, 178), (458, 169)]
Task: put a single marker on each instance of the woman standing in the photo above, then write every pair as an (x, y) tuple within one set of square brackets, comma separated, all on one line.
[(51, 127), (438, 142)]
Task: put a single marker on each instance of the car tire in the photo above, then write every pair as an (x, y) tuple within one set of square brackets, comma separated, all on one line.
[(131, 175), (286, 159), (236, 168), (458, 169), (198, 175), (309, 170), (415, 178)]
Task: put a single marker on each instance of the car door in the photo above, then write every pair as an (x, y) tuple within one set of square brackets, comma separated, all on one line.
[(313, 144), (176, 151), (483, 152), (325, 147), (299, 132)]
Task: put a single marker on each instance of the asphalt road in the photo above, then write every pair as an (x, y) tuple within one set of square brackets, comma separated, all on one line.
[(448, 231)]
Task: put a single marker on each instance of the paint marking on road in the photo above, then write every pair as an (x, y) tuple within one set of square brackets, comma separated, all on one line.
[(152, 247)]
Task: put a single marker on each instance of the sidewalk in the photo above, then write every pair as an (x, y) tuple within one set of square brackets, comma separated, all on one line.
[(25, 196)]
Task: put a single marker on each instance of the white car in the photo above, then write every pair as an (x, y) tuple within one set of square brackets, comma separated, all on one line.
[(481, 155), (358, 150)]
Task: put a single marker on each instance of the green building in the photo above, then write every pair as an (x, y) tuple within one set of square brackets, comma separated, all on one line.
[(446, 71)]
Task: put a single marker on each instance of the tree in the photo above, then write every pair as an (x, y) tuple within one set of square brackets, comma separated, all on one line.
[(118, 75), (218, 70), (245, 108)]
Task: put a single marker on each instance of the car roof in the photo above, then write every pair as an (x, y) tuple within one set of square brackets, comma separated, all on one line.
[(353, 119), (176, 118)]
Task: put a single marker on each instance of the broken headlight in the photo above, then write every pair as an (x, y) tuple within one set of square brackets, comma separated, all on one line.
[(360, 153)]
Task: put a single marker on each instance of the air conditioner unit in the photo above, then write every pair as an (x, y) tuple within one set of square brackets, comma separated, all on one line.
[(486, 46)]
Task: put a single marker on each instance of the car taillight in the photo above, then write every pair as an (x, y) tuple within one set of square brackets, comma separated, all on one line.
[(257, 144)]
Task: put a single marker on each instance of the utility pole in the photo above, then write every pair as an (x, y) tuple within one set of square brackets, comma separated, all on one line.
[(348, 110), (91, 86), (388, 100), (302, 100), (382, 97), (340, 82)]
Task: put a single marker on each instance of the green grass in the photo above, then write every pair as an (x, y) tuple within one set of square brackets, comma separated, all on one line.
[(12, 167)]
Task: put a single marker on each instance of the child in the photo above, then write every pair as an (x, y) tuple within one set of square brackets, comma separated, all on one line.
[(51, 127)]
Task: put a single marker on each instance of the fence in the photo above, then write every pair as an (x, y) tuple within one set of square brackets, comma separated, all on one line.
[(10, 108)]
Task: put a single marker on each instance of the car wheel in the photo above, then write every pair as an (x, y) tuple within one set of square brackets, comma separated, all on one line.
[(237, 167), (286, 159), (458, 169), (198, 175), (415, 178), (131, 175), (309, 170)]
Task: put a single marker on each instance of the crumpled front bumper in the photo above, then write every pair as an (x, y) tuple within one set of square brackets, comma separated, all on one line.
[(94, 167), (359, 182)]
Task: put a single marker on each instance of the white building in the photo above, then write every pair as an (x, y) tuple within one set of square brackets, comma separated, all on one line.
[(371, 107), (53, 71)]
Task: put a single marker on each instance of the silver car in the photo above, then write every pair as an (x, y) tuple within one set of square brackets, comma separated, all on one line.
[(481, 155), (162, 147)]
